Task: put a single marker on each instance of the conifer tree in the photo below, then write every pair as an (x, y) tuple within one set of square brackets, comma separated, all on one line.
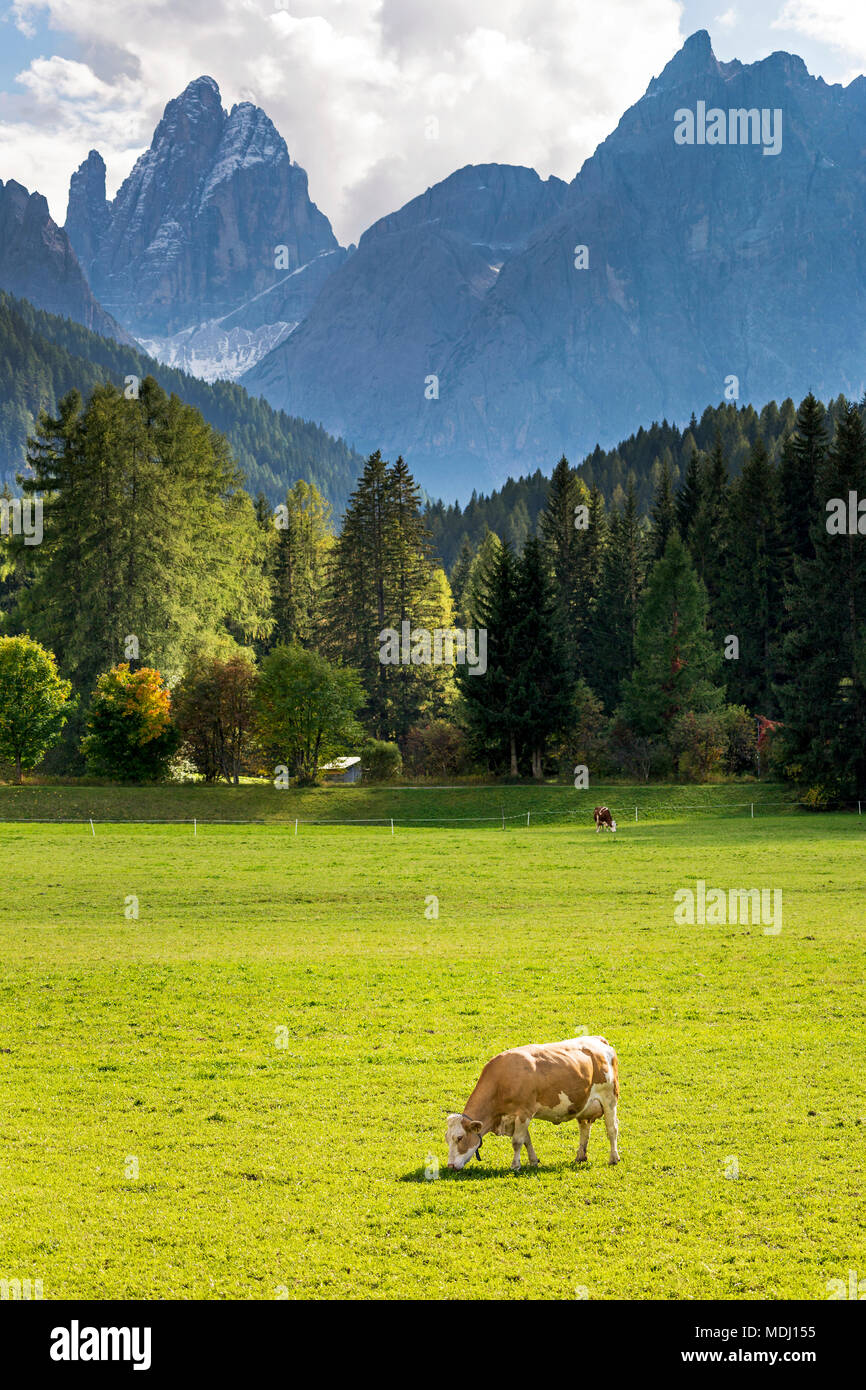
[(676, 667), (491, 702), (614, 624), (823, 698), (561, 536), (803, 456), (542, 688), (664, 512), (752, 587)]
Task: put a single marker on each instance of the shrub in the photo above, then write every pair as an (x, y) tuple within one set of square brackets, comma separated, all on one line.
[(698, 742), (437, 749), (381, 761), (741, 739), (130, 735)]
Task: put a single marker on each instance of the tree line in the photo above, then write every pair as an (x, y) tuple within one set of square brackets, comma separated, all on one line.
[(728, 623)]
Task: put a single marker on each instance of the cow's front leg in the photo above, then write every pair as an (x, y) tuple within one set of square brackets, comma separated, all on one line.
[(519, 1139), (530, 1151)]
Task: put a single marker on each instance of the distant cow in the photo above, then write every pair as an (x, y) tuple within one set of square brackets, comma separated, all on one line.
[(573, 1080), (603, 819)]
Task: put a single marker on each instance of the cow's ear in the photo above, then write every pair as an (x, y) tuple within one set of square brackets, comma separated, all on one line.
[(472, 1126)]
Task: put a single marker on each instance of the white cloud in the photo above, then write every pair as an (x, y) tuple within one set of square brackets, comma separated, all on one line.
[(350, 84), (839, 23)]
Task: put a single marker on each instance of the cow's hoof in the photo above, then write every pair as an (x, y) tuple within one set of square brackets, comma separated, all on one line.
[(515, 1168), (533, 1163), (581, 1158), (614, 1158)]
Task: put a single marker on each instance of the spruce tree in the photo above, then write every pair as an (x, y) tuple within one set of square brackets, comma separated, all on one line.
[(563, 550), (664, 512), (676, 667), (823, 699), (752, 588), (491, 702), (542, 688), (803, 456), (614, 623)]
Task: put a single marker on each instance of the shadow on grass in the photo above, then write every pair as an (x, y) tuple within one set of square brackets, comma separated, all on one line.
[(481, 1172)]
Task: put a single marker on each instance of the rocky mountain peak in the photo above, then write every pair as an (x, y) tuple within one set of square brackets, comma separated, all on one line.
[(194, 229)]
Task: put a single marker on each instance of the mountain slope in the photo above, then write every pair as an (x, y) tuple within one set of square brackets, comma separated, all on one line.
[(38, 263), (42, 357), (390, 317), (706, 262)]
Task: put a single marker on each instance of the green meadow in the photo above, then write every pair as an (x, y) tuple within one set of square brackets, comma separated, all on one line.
[(240, 1092)]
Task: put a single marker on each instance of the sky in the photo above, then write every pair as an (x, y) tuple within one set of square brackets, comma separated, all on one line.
[(376, 99)]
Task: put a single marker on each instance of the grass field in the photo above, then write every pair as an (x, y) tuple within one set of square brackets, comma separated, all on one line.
[(153, 1045)]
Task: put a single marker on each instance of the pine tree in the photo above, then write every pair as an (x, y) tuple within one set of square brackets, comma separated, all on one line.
[(459, 578), (561, 536), (676, 667), (689, 496), (823, 699), (381, 578), (149, 539), (803, 457), (664, 512), (542, 689), (300, 542), (752, 588), (708, 528), (490, 701), (614, 624)]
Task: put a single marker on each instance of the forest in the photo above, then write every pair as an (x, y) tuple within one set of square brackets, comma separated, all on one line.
[(721, 632)]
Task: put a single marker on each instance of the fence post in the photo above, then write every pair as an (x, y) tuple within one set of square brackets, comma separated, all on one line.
[(635, 813), (194, 826), (392, 825), (752, 804), (527, 817), (296, 825), (93, 832)]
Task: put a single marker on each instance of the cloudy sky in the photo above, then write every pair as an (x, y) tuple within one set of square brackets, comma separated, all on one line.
[(377, 99)]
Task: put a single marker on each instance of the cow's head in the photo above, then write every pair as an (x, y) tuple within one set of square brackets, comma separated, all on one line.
[(464, 1139)]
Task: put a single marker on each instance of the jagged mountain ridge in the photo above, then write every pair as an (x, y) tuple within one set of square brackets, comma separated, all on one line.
[(192, 236), (38, 263)]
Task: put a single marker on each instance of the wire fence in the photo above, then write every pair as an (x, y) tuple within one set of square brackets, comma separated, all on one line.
[(651, 811)]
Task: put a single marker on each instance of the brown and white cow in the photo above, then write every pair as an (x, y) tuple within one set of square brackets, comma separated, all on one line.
[(573, 1080), (603, 819)]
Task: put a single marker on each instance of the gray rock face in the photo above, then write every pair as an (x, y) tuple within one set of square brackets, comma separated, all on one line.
[(706, 262), (194, 231), (38, 263), (389, 319)]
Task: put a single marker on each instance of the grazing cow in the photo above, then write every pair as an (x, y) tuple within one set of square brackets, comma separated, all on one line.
[(573, 1080), (603, 819)]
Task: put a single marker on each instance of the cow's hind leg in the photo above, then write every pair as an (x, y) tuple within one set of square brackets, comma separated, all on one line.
[(610, 1124)]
